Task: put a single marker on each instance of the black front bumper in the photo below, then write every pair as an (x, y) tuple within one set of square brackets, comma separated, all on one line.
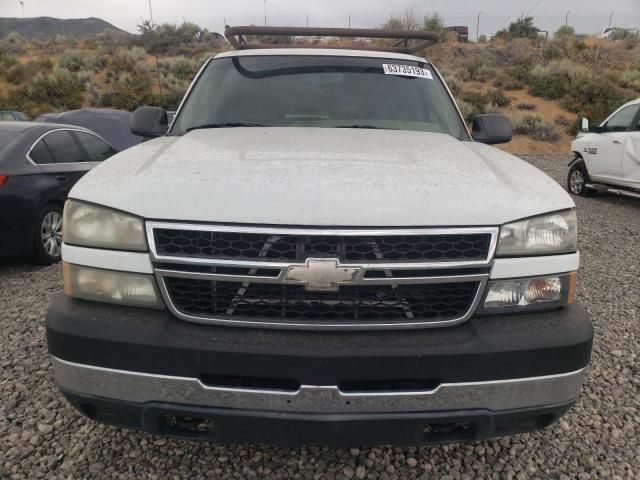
[(296, 429), (487, 348), (484, 349)]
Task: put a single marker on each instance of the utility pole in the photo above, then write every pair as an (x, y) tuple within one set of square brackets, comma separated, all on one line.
[(566, 18), (150, 13), (307, 20), (265, 13), (478, 28), (24, 27), (156, 55), (349, 20), (611, 17)]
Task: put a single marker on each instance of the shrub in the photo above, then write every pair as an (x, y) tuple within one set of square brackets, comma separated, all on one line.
[(631, 79), (593, 98), (181, 67), (453, 81), (482, 102), (507, 82), (497, 98), (173, 89), (128, 60), (569, 126), (74, 60), (58, 90), (16, 73), (534, 126), (127, 91), (526, 106), (39, 65), (556, 79), (469, 111), (481, 68), (109, 41), (552, 51)]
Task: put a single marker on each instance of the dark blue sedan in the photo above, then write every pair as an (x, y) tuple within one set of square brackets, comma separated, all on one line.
[(39, 163)]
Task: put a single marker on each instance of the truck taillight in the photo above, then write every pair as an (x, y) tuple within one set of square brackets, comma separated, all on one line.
[(3, 179)]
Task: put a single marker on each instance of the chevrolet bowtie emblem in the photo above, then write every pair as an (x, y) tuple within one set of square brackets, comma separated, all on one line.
[(321, 274)]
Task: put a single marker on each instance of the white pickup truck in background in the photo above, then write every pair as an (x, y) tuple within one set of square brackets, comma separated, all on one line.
[(607, 157)]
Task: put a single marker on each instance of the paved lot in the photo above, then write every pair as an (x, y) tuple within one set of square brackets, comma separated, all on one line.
[(42, 437)]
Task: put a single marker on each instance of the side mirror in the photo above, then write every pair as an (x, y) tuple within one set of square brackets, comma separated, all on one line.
[(149, 122), (492, 129), (584, 125)]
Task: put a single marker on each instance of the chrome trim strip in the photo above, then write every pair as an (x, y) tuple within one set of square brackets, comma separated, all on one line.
[(64, 129), (358, 280), (141, 387), (346, 325), (151, 225)]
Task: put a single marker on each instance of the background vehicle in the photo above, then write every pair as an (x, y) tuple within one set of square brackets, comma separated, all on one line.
[(12, 116), (39, 163), (612, 32), (607, 157), (110, 124)]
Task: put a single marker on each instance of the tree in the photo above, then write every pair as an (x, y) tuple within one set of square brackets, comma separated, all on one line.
[(521, 28), (565, 31), (434, 23)]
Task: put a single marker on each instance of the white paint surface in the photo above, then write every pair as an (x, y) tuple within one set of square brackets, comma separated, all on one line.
[(321, 177)]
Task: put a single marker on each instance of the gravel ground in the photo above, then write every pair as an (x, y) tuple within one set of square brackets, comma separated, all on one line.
[(43, 437)]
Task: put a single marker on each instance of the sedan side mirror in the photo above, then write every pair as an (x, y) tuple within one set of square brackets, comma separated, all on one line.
[(149, 122), (492, 129)]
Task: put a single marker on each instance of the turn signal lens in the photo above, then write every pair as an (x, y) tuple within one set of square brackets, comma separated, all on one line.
[(527, 293), (109, 286)]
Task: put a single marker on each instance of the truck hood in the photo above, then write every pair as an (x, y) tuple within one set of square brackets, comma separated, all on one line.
[(319, 177)]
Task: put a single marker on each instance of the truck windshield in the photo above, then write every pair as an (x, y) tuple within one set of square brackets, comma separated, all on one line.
[(319, 91)]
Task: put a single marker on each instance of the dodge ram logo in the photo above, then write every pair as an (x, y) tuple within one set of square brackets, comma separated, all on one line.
[(321, 274)]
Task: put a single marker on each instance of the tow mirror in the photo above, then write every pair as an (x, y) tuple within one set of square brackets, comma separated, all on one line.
[(492, 129), (149, 122), (584, 125)]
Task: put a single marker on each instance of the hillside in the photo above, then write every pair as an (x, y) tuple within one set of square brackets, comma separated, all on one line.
[(48, 27), (543, 86)]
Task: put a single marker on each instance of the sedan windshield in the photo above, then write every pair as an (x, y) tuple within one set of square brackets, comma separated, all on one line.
[(319, 91)]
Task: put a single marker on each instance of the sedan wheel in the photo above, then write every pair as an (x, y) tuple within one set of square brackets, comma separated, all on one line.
[(51, 234)]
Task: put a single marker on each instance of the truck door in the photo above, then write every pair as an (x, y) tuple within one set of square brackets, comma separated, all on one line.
[(606, 148), (631, 155)]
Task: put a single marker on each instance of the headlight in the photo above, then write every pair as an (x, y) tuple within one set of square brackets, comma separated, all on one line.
[(93, 226), (541, 235), (123, 288), (512, 295)]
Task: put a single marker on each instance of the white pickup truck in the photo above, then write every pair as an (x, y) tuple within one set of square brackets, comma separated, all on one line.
[(317, 251), (607, 157)]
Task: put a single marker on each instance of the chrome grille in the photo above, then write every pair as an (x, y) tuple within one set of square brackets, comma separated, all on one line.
[(250, 246), (398, 278), (360, 303)]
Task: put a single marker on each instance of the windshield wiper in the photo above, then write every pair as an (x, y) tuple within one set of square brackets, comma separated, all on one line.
[(224, 125), (359, 126)]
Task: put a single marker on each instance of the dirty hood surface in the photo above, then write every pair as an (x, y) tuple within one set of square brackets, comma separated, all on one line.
[(321, 176)]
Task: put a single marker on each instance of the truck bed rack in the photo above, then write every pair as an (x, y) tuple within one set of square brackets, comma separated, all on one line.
[(237, 36)]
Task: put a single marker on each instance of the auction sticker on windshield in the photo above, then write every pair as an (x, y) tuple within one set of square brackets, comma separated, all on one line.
[(406, 70)]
